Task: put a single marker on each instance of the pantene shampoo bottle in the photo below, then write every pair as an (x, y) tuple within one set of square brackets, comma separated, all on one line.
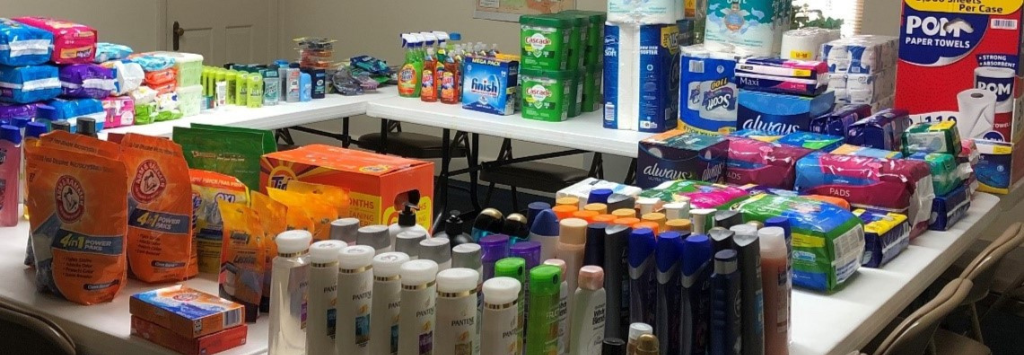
[(288, 294), (387, 301), (355, 300), (456, 312), (500, 334), (588, 315), (516, 268), (323, 295), (416, 319), (542, 323)]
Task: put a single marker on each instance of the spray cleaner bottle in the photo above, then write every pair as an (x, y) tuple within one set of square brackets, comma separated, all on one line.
[(409, 75), (428, 90)]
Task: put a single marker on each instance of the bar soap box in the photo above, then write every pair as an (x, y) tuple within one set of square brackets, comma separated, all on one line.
[(807, 78), (186, 311)]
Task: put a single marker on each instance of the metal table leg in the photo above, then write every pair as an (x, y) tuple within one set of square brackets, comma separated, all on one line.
[(474, 173)]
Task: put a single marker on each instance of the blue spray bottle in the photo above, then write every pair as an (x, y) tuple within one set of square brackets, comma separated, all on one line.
[(643, 283), (666, 328), (696, 295), (725, 305)]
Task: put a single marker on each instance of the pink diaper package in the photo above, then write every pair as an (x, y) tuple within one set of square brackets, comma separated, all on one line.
[(72, 43), (770, 165), (120, 111), (900, 186), (86, 81)]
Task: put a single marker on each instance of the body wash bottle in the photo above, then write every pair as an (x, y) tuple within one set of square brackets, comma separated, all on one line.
[(589, 313), (696, 294), (669, 249), (542, 323), (416, 318), (500, 333), (457, 312), (563, 307), (288, 294), (323, 295), (775, 278), (748, 259), (387, 301), (355, 300), (643, 284)]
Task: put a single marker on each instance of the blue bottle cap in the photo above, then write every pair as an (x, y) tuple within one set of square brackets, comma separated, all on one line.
[(781, 222), (455, 36), (11, 134), (599, 196), (696, 253), (641, 245), (534, 208), (725, 262), (545, 224), (669, 249), (35, 129), (21, 122)]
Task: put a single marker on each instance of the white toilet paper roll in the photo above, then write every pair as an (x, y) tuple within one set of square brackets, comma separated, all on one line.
[(649, 12), (999, 81), (977, 112), (804, 43)]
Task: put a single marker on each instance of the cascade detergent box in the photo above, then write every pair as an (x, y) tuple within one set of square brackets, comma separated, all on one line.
[(378, 185), (207, 344), (490, 85), (675, 155), (185, 311)]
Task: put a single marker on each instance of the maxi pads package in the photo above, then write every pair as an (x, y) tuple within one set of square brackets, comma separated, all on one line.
[(72, 43), (780, 114), (828, 241), (883, 130), (641, 82), (770, 165), (756, 25), (29, 84), (886, 235), (707, 90), (836, 123), (22, 44)]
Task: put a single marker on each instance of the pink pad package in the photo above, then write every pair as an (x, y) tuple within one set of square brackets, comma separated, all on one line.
[(900, 186), (120, 111), (86, 81), (700, 194), (72, 43), (770, 165)]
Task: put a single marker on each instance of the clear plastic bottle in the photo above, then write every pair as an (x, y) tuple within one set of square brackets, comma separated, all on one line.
[(457, 312), (355, 300), (323, 295), (387, 301), (419, 297), (288, 294)]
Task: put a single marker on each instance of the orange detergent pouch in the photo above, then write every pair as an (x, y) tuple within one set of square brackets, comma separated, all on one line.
[(313, 206), (81, 143), (334, 195), (79, 220), (243, 260), (273, 217), (207, 233)]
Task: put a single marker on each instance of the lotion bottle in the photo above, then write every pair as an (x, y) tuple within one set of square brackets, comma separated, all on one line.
[(500, 333), (416, 318), (288, 294), (355, 300), (406, 222), (457, 312), (589, 313), (387, 301), (323, 295)]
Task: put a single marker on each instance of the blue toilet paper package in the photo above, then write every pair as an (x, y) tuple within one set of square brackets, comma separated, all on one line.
[(780, 114), (950, 208), (886, 235), (29, 84), (21, 44)]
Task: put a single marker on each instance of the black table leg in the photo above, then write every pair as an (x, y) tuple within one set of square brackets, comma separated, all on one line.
[(631, 174), (346, 139), (383, 149), (474, 161), (442, 180)]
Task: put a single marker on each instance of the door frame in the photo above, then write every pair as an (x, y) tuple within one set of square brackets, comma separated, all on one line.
[(273, 28)]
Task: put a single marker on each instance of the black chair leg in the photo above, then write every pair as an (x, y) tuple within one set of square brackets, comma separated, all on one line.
[(515, 199), (490, 191)]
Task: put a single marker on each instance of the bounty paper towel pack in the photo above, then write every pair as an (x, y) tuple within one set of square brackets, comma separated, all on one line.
[(707, 90), (756, 25), (641, 82)]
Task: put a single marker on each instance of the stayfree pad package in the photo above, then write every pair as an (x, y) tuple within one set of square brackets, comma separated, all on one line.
[(902, 186), (72, 43), (86, 81), (640, 79), (767, 164), (28, 84), (22, 44), (828, 241)]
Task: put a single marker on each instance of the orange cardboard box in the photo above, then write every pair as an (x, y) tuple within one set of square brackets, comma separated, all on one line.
[(378, 185), (204, 345)]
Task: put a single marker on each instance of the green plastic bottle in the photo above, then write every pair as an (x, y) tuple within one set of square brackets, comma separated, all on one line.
[(255, 88), (410, 74), (241, 88), (231, 77), (542, 322), (516, 269)]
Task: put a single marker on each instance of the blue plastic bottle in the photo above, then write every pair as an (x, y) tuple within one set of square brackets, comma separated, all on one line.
[(725, 305), (666, 328), (305, 87), (643, 283), (696, 295)]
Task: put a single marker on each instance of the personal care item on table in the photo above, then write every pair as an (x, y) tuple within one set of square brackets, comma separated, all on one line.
[(572, 238), (861, 54), (208, 344), (161, 77), (707, 89), (949, 208), (227, 150), (21, 44), (387, 288), (468, 256), (419, 296), (804, 43), (813, 141), (779, 113), (727, 219), (797, 77), (589, 312), (674, 155), (886, 235), (376, 237), (545, 282), (244, 263), (408, 243), (545, 231), (515, 268), (72, 43), (701, 219), (305, 87), (517, 227), (777, 290), (944, 170), (10, 169), (849, 149), (942, 137), (528, 251), (355, 287), (493, 248), (616, 282), (695, 308), (254, 83), (636, 330), (564, 296), (346, 230), (643, 283), (668, 300), (323, 296), (106, 52), (582, 189), (679, 225), (699, 194), (453, 230), (640, 91), (755, 26), (489, 221), (86, 81), (613, 346), (721, 238), (768, 164), (500, 316), (836, 123), (726, 310), (534, 208), (489, 85), (120, 111), (748, 257), (438, 250), (185, 312), (594, 253), (619, 201), (29, 84), (883, 130)]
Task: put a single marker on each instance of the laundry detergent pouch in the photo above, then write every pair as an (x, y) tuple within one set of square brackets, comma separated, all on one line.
[(828, 241), (29, 84), (273, 217), (849, 149), (313, 206), (243, 260), (128, 76), (335, 196), (766, 164), (209, 188), (10, 112), (78, 222), (701, 194), (224, 150), (72, 43), (159, 208), (86, 81), (111, 51), (161, 77), (813, 141), (901, 186), (944, 169), (883, 130), (838, 122), (886, 235), (120, 111), (22, 44), (707, 91)]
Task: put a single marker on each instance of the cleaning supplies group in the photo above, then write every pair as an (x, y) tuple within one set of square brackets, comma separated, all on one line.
[(434, 65)]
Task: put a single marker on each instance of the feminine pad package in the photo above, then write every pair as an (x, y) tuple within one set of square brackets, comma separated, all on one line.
[(813, 141), (640, 90), (849, 149), (72, 43), (828, 241), (86, 81), (756, 135), (675, 155), (128, 76), (950, 208), (883, 130), (785, 76), (945, 171), (838, 122), (902, 186), (942, 137), (707, 90), (106, 52), (766, 164), (778, 113), (700, 194), (11, 112), (28, 84), (22, 44), (886, 235)]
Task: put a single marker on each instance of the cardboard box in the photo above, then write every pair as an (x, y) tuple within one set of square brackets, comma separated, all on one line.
[(780, 114), (675, 155), (490, 85), (379, 185), (185, 311), (1001, 166), (205, 345)]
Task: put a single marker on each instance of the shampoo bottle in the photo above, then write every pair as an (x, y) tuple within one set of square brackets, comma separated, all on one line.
[(725, 305), (696, 295), (589, 313), (10, 169), (542, 322), (775, 281), (453, 230), (467, 256), (417, 317), (439, 250), (457, 312), (516, 268), (406, 222), (616, 281), (408, 242), (500, 333), (387, 301), (323, 295), (563, 307), (355, 295), (721, 239), (375, 236), (288, 294), (669, 249), (643, 285), (748, 258)]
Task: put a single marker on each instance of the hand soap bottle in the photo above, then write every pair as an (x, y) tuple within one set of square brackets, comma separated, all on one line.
[(406, 222), (453, 230)]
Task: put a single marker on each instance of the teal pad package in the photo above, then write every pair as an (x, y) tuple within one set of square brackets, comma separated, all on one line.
[(945, 175)]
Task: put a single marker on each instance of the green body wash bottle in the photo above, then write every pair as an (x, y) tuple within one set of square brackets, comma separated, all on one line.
[(542, 322)]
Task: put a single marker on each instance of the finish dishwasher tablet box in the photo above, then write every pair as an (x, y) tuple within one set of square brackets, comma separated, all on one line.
[(378, 185), (185, 311)]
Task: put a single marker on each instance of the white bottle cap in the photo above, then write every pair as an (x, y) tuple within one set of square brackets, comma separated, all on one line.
[(744, 229), (389, 264), (355, 257), (647, 205), (326, 251), (501, 290), (418, 272), (559, 263), (437, 249), (294, 241), (467, 256), (457, 280), (637, 329), (677, 210)]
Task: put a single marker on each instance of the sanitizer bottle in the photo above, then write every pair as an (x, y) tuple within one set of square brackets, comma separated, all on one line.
[(416, 319), (589, 305), (406, 222), (456, 312), (387, 300), (323, 295), (288, 294), (355, 296), (500, 332)]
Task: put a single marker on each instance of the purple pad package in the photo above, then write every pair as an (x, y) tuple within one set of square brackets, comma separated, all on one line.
[(86, 81)]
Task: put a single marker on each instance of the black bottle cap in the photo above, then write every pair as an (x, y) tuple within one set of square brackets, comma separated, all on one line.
[(613, 346), (407, 218), (86, 126)]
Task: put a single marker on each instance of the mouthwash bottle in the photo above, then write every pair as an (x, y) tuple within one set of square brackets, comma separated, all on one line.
[(409, 75), (428, 91)]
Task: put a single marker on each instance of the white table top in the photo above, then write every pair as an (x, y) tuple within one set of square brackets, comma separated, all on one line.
[(585, 132), (268, 117)]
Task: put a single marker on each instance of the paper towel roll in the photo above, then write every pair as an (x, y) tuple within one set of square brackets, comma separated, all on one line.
[(804, 43), (999, 81), (977, 112), (648, 12)]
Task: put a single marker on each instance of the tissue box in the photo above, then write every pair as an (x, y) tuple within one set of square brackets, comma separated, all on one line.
[(707, 91), (209, 344), (72, 43), (838, 122), (675, 155), (490, 85), (22, 44), (883, 130), (120, 111), (848, 149), (944, 168), (640, 90), (185, 311), (812, 141), (766, 164), (950, 208), (1001, 166), (863, 54), (886, 235), (828, 241), (29, 84), (780, 114)]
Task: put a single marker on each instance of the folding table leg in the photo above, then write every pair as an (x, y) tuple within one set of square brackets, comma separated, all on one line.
[(474, 161), (384, 128), (446, 158), (346, 139), (631, 174)]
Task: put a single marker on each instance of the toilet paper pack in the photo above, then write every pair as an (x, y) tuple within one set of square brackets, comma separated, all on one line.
[(754, 25), (707, 90), (641, 82), (862, 54)]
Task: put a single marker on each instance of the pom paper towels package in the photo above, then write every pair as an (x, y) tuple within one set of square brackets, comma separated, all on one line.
[(641, 85), (708, 95), (755, 25)]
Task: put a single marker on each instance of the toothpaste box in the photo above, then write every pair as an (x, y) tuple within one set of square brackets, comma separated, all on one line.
[(886, 235), (490, 85), (1001, 166), (185, 311), (204, 345), (707, 91), (778, 113), (675, 155), (950, 208)]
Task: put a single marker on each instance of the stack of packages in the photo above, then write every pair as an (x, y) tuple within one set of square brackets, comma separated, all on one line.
[(187, 321), (128, 77), (171, 88), (641, 54), (862, 70), (561, 64)]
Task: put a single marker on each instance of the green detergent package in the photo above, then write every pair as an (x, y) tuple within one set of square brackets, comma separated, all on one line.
[(828, 241), (576, 95), (577, 38), (545, 41), (593, 42), (945, 177), (227, 150), (547, 94), (592, 96)]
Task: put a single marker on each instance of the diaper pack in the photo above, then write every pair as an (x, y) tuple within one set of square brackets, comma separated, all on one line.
[(86, 81), (72, 43), (945, 171), (21, 44), (29, 83)]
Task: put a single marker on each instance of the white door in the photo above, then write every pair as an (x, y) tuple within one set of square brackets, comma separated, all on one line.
[(224, 31)]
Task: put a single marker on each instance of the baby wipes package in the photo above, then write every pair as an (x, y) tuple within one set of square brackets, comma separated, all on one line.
[(778, 113), (22, 44), (886, 235), (120, 111), (828, 241), (72, 43), (152, 63), (641, 85), (243, 260), (28, 84), (186, 311), (79, 217), (812, 141), (86, 81), (754, 25), (883, 130), (106, 52), (767, 164), (707, 90), (950, 208), (944, 169)]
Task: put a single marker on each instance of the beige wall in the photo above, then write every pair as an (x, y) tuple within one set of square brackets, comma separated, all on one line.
[(882, 17), (136, 23)]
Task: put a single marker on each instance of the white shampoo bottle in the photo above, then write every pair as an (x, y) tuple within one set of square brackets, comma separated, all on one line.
[(288, 294), (500, 333), (456, 312), (355, 299), (323, 295), (387, 296), (416, 318)]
